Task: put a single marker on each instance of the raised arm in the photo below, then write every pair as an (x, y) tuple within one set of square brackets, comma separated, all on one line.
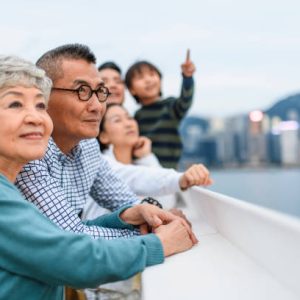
[(182, 104)]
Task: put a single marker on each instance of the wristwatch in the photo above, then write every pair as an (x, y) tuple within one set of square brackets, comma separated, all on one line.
[(152, 201)]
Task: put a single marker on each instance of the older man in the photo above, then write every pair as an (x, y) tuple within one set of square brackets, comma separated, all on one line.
[(73, 168)]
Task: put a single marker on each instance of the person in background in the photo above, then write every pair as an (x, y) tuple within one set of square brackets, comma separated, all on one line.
[(130, 156), (73, 168), (158, 118), (37, 257), (111, 75)]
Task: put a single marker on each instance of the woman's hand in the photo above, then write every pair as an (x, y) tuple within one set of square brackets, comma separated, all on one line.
[(195, 175), (175, 237), (149, 217), (142, 147)]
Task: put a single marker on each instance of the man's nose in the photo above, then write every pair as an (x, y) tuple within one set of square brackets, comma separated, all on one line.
[(111, 85), (94, 104)]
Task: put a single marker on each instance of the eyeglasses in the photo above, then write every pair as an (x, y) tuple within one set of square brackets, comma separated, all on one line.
[(85, 92)]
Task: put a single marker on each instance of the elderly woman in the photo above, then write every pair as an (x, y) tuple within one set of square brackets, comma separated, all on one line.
[(37, 258)]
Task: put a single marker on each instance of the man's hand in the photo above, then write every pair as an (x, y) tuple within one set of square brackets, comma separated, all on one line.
[(143, 147), (195, 175), (175, 237), (179, 213), (149, 217), (188, 68)]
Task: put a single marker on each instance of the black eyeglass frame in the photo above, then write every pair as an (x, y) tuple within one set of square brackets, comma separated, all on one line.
[(106, 93)]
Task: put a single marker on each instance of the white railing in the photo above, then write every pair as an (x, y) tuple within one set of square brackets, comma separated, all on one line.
[(255, 253)]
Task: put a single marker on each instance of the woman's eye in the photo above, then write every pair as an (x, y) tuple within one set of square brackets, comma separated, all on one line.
[(41, 106), (15, 104)]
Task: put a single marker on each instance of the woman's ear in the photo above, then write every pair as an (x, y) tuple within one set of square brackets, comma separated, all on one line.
[(104, 138)]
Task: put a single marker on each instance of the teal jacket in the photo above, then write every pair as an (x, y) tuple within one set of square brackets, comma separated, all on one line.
[(37, 258)]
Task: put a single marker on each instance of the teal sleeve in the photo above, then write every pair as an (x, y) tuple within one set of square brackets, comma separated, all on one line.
[(111, 220), (33, 247)]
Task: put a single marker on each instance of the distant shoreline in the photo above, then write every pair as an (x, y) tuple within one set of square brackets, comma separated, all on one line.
[(251, 167)]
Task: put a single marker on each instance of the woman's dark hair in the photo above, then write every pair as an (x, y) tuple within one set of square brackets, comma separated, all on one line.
[(110, 65), (138, 68), (102, 124)]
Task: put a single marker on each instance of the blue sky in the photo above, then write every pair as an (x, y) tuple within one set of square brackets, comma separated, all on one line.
[(246, 52)]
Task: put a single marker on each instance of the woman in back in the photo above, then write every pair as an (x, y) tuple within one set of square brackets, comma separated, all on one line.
[(129, 154)]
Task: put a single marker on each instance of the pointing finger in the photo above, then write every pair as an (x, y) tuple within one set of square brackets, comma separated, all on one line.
[(188, 53)]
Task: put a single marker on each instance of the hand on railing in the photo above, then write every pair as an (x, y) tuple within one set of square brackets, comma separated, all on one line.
[(176, 237), (195, 175)]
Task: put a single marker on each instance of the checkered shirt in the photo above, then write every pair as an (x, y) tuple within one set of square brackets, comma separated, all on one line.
[(59, 185)]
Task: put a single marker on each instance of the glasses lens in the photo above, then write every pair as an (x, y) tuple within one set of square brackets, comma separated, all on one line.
[(84, 92), (102, 93)]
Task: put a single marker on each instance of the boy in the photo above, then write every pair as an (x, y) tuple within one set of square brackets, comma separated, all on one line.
[(159, 119)]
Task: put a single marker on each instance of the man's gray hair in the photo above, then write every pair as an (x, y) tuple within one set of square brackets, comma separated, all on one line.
[(15, 71), (52, 60)]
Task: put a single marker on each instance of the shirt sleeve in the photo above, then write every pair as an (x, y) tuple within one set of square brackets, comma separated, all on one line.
[(149, 160), (64, 258), (110, 189), (147, 181), (45, 192), (182, 104)]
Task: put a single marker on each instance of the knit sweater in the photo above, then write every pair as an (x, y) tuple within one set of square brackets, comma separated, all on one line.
[(38, 258), (160, 122)]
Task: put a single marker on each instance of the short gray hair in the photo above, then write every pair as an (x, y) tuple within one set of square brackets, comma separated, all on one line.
[(52, 60), (16, 71)]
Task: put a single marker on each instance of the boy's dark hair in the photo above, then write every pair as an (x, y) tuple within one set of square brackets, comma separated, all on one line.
[(102, 123), (51, 60), (110, 65), (138, 68)]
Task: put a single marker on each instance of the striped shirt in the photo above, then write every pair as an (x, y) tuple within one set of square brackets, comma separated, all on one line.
[(59, 185), (160, 122)]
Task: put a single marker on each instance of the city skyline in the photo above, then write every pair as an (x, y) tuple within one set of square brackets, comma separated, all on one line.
[(246, 53)]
